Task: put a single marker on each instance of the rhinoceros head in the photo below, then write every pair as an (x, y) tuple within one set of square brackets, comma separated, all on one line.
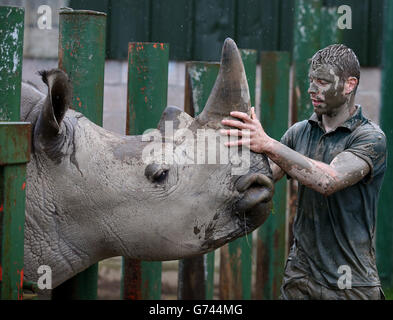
[(171, 193)]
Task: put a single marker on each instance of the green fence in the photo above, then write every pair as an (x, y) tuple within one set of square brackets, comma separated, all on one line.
[(197, 28)]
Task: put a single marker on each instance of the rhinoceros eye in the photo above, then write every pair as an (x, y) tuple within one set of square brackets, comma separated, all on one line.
[(156, 173), (160, 176)]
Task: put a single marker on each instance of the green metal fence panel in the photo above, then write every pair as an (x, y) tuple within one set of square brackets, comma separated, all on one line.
[(195, 29), (257, 24), (236, 256), (384, 237), (94, 5), (271, 245), (172, 22), (130, 22), (146, 100), (82, 36), (330, 32), (14, 154), (375, 33), (286, 25), (214, 21), (11, 56), (196, 275)]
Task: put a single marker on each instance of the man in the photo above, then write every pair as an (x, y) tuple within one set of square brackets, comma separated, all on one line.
[(339, 159)]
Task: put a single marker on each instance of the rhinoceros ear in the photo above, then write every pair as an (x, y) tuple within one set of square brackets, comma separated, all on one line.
[(56, 103), (179, 118)]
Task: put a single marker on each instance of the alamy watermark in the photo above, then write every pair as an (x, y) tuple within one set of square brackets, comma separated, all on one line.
[(45, 279), (184, 146), (345, 280), (345, 21), (44, 17)]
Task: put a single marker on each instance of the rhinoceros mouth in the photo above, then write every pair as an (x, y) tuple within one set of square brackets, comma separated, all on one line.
[(254, 217), (245, 220)]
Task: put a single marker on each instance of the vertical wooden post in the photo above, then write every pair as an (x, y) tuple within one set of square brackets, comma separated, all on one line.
[(271, 248), (146, 100), (384, 237), (236, 256), (82, 57), (196, 275)]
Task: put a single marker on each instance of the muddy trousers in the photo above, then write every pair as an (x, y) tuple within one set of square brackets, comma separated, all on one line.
[(298, 285)]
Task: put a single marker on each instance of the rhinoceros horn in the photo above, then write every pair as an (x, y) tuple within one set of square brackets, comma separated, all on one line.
[(230, 91)]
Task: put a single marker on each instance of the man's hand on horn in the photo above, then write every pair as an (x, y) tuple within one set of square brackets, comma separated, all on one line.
[(251, 131)]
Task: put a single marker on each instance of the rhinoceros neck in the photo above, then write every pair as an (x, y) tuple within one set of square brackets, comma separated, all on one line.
[(72, 204), (52, 237)]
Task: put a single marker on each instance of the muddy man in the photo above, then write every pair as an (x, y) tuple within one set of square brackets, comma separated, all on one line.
[(338, 158)]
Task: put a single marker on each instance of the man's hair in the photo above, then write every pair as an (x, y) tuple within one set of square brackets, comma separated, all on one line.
[(339, 56)]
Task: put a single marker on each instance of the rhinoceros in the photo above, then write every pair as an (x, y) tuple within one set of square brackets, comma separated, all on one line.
[(91, 195)]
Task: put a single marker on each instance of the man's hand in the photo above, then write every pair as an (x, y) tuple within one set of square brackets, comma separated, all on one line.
[(251, 131)]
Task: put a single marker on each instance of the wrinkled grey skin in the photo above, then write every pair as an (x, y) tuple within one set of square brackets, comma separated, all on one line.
[(90, 196)]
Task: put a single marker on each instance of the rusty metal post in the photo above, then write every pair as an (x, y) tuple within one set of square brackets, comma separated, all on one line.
[(236, 256), (11, 56), (82, 56), (271, 248), (146, 100), (82, 35), (14, 154), (196, 275)]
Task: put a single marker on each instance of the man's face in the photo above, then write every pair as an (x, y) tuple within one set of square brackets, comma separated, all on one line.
[(327, 90)]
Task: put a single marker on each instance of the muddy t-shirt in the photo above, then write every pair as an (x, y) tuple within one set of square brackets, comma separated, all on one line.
[(335, 232)]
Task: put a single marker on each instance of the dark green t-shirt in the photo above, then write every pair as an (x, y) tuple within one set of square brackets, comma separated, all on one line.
[(339, 230)]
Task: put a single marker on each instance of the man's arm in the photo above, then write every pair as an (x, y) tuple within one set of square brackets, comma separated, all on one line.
[(345, 169), (278, 173)]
